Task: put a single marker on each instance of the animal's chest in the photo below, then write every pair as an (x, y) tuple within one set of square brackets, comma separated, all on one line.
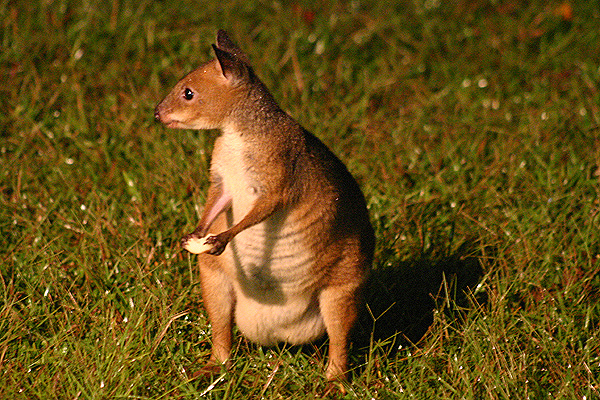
[(239, 179), (270, 258)]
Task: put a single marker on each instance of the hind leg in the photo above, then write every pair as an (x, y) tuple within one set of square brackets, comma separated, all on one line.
[(339, 308), (339, 301), (219, 301)]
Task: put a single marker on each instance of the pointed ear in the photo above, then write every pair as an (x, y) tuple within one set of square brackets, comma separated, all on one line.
[(226, 44), (232, 68)]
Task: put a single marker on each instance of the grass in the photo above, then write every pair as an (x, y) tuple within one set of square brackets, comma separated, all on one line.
[(472, 127)]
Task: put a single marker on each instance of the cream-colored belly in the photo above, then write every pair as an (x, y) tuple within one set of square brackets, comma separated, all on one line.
[(295, 322), (270, 264), (275, 284)]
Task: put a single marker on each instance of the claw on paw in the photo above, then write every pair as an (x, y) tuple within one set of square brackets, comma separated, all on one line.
[(217, 243)]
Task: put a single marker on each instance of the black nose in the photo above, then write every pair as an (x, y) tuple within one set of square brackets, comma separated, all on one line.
[(156, 114)]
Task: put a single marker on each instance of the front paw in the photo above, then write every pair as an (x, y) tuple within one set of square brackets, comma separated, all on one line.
[(195, 244), (217, 243)]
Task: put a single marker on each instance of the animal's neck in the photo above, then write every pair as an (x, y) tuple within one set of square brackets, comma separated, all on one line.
[(256, 122)]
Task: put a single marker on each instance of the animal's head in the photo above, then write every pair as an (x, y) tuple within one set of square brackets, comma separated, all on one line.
[(205, 97)]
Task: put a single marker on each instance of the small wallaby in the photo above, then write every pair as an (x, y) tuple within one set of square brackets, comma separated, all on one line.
[(292, 244)]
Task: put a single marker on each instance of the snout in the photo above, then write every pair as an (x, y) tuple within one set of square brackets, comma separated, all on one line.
[(166, 117)]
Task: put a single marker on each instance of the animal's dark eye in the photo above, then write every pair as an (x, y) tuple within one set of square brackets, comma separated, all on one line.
[(188, 94)]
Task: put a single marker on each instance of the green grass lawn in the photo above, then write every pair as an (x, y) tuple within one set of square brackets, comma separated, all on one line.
[(472, 127)]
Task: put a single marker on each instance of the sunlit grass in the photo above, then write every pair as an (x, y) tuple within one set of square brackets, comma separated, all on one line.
[(472, 128)]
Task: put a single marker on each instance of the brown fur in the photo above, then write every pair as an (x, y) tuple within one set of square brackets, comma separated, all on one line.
[(293, 243)]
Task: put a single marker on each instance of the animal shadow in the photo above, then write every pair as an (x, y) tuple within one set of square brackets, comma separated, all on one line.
[(400, 299)]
